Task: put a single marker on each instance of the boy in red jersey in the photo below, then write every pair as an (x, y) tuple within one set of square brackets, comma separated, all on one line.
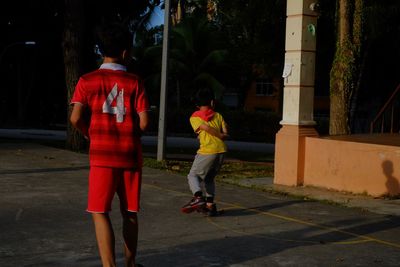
[(118, 109)]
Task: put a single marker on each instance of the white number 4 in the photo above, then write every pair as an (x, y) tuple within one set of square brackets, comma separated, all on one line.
[(119, 110)]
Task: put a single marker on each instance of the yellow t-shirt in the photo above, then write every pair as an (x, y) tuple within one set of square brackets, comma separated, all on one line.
[(209, 144)]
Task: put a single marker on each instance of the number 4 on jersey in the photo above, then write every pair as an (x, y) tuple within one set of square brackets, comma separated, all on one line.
[(119, 110)]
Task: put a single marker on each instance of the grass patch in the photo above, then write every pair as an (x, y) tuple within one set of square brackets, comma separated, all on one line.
[(175, 166), (251, 156), (245, 170), (230, 169)]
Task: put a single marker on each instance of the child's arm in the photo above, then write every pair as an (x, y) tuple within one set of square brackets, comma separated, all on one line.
[(225, 128), (213, 131), (77, 119), (143, 120)]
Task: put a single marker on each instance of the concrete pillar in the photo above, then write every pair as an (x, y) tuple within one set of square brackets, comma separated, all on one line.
[(298, 97)]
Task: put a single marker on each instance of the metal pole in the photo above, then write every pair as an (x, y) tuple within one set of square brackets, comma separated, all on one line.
[(161, 141)]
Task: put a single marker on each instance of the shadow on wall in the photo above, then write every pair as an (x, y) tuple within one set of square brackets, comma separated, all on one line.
[(392, 183)]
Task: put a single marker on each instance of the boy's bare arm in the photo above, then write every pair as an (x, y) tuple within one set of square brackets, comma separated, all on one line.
[(143, 120), (77, 119), (225, 132), (225, 129)]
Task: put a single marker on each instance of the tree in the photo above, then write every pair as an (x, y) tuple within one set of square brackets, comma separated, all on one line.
[(197, 57), (345, 68), (73, 51)]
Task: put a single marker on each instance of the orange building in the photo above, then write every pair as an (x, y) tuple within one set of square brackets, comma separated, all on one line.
[(266, 94)]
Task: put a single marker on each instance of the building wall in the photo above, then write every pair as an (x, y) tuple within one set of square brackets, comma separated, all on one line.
[(254, 102), (354, 167), (273, 102)]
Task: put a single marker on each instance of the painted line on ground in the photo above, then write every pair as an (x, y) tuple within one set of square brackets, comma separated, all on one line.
[(363, 238)]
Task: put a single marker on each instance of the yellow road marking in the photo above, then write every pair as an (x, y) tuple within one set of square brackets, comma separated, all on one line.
[(285, 239), (364, 238)]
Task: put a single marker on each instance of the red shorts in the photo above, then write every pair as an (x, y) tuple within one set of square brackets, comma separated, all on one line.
[(104, 182)]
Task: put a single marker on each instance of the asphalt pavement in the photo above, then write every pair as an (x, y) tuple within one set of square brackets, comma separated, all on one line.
[(43, 220)]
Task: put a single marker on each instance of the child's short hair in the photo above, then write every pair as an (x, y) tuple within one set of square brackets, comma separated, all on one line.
[(113, 39), (204, 96)]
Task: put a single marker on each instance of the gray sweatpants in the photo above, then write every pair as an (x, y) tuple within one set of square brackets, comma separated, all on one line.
[(203, 171)]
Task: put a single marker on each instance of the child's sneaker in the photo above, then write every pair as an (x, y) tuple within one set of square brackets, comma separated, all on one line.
[(212, 210), (197, 203)]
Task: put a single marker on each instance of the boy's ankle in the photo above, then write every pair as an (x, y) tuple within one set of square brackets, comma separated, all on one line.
[(198, 194)]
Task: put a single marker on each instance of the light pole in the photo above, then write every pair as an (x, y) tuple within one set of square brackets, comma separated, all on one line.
[(164, 86)]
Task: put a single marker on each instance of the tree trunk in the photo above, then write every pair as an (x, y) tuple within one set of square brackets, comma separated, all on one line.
[(354, 100), (72, 49), (345, 70), (360, 58)]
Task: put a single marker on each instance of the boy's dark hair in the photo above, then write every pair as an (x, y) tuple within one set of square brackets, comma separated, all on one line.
[(113, 39), (204, 96)]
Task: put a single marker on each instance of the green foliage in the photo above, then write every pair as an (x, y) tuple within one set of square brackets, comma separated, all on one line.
[(256, 31), (197, 56)]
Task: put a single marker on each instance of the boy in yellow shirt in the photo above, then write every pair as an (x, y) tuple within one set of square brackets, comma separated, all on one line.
[(212, 131)]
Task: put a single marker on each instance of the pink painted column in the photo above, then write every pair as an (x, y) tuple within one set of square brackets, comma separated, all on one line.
[(298, 96)]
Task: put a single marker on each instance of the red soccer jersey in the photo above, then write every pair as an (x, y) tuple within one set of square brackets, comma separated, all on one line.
[(114, 99)]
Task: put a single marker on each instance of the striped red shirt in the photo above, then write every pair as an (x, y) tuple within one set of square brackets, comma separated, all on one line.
[(114, 98)]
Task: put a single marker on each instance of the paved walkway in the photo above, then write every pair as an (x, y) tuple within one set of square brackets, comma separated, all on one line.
[(179, 142), (43, 222)]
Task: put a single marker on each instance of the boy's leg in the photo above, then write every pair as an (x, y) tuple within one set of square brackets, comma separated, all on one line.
[(209, 183), (101, 191), (215, 164), (202, 167), (195, 173), (130, 234), (129, 196), (105, 238)]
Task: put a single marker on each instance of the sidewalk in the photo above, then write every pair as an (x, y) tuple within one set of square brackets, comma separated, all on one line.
[(43, 222), (180, 142), (368, 203)]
